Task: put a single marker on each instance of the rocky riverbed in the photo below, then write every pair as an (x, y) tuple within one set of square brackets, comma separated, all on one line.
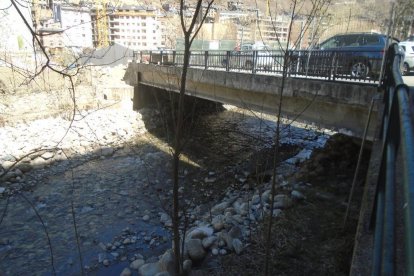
[(109, 177)]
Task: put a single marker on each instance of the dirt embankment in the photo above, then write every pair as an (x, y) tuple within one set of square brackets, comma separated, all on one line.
[(309, 239), (23, 98)]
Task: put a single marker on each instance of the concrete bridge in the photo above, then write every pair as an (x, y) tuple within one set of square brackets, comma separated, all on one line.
[(384, 242), (333, 105)]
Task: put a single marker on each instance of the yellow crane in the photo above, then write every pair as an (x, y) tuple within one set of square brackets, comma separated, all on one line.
[(102, 27), (268, 8)]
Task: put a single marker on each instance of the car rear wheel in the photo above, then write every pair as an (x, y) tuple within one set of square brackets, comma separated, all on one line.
[(405, 70), (359, 69)]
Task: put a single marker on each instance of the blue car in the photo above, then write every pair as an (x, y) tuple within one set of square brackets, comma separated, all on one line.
[(356, 55)]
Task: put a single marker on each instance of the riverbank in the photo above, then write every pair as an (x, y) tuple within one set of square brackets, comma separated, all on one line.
[(118, 189)]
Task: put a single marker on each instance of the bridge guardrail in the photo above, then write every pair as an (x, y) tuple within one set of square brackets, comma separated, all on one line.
[(322, 64), (397, 134)]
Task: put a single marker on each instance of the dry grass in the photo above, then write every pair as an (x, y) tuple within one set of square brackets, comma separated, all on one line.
[(308, 239)]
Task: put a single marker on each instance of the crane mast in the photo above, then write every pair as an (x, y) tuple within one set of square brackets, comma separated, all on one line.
[(102, 34)]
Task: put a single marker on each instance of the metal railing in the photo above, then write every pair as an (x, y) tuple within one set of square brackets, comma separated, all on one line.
[(321, 64), (396, 168)]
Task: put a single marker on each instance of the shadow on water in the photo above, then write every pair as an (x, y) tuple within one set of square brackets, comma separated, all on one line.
[(110, 195)]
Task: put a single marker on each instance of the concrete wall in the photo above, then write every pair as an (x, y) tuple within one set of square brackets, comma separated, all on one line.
[(333, 105)]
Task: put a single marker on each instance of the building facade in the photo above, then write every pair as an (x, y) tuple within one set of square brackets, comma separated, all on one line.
[(134, 27), (77, 27)]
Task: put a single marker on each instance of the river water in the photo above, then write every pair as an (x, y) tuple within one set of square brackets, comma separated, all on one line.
[(116, 201)]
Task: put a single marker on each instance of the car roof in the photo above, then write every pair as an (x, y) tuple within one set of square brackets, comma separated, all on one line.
[(360, 33)]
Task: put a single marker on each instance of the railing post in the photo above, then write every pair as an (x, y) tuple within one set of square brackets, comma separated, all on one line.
[(228, 61), (331, 57), (254, 62), (162, 58), (140, 56), (174, 54), (205, 60), (150, 57)]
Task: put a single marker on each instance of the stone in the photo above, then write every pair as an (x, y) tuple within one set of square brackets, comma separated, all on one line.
[(149, 269), (25, 167), (8, 157), (223, 251), (195, 249), (164, 218), (47, 155), (241, 208), (105, 262), (277, 213), (219, 208), (215, 251), (167, 261), (210, 179), (235, 232), (2, 190), (107, 151), (18, 172), (297, 195), (187, 264), (325, 196), (266, 196), (163, 273), (237, 246), (7, 164), (200, 232), (126, 272), (209, 241), (137, 264), (127, 241), (218, 222), (138, 256), (38, 162), (226, 238), (145, 218), (282, 201), (255, 199)]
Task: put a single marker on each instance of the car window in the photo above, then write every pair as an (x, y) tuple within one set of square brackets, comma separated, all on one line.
[(370, 40), (330, 43), (350, 40), (402, 46)]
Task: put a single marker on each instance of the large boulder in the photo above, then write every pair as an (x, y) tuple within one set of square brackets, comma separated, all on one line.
[(200, 232), (195, 249), (167, 262), (137, 264), (150, 269)]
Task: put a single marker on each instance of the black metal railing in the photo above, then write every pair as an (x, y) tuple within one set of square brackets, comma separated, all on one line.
[(397, 168), (322, 64)]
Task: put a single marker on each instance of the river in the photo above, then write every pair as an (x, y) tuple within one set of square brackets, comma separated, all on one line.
[(117, 199)]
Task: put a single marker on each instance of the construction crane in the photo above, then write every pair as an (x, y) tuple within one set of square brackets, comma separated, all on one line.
[(102, 27), (268, 8)]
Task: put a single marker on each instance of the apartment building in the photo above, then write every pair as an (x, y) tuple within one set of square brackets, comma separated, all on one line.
[(135, 27), (76, 24), (64, 26)]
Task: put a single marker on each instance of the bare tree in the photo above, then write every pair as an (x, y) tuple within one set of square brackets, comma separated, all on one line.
[(190, 30), (312, 10)]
